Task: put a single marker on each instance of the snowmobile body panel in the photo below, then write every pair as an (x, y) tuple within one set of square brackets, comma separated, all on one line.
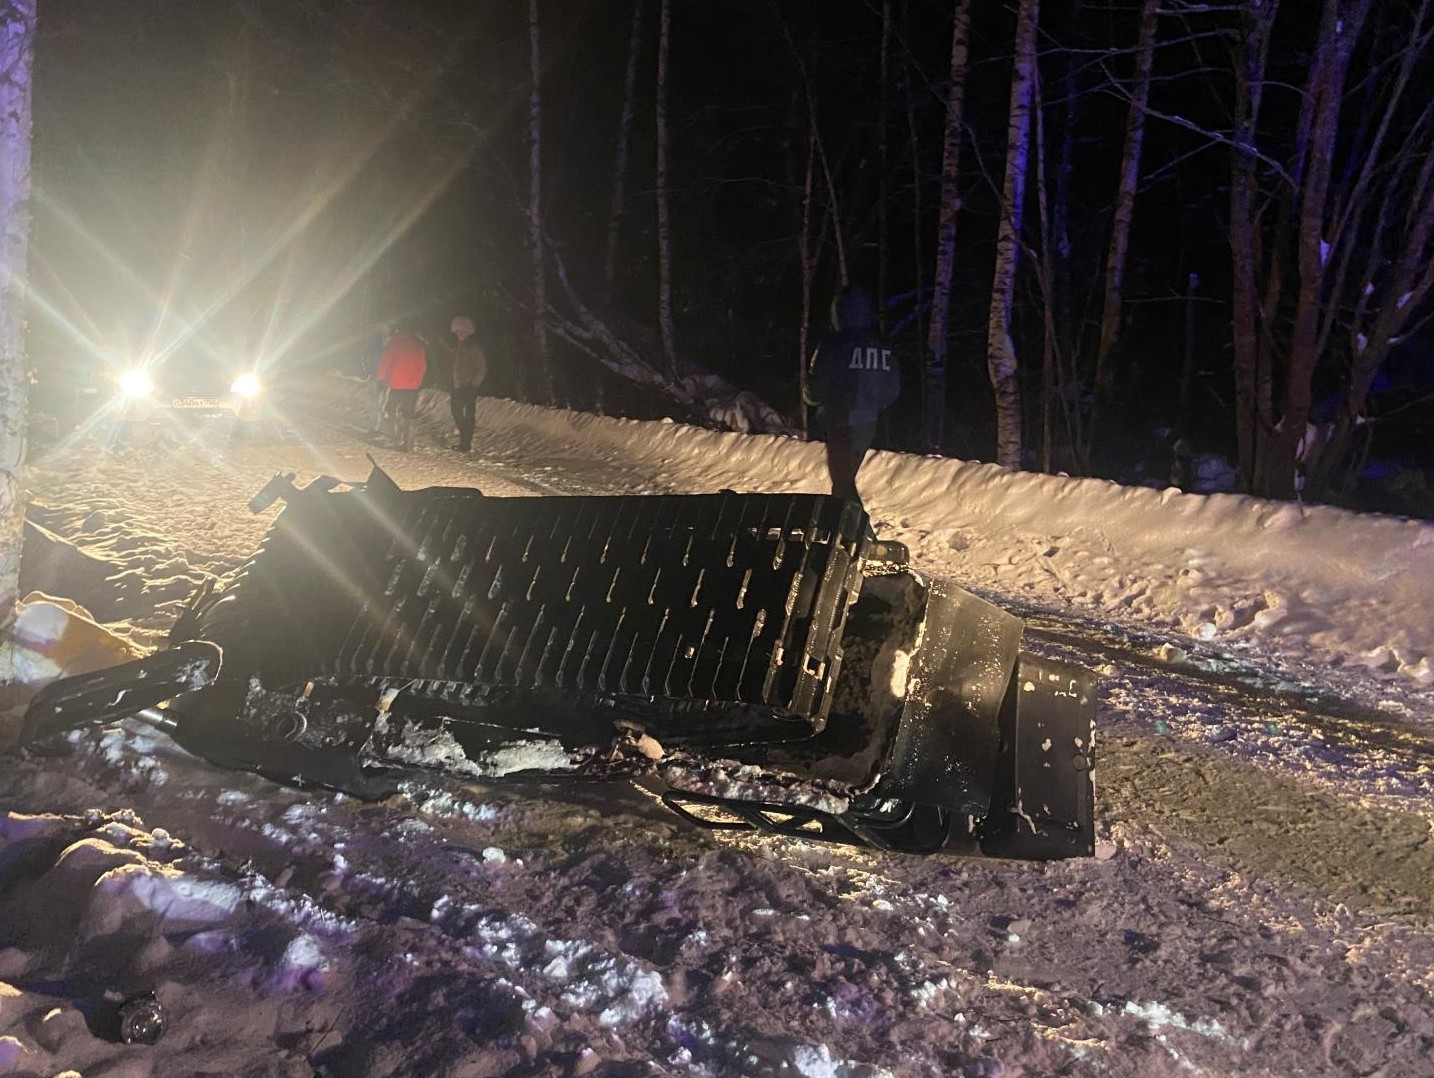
[(761, 655), (949, 735), (1044, 800)]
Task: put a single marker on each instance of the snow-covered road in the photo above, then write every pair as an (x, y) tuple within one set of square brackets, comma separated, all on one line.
[(1261, 902)]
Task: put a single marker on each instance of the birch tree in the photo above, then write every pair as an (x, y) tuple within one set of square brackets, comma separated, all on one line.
[(17, 53), (1384, 206), (1252, 404), (535, 205), (624, 137), (1330, 263), (933, 398), (664, 224), (1002, 364), (1340, 25)]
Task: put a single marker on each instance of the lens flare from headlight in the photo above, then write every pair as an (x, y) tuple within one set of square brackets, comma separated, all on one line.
[(246, 386), (136, 382)]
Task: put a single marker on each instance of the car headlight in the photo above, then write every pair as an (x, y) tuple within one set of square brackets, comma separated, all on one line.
[(246, 385), (136, 382)]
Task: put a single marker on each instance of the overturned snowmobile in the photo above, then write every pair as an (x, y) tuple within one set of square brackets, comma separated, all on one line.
[(761, 660)]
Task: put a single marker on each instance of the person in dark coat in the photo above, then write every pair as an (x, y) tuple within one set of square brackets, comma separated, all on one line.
[(470, 366), (853, 378)]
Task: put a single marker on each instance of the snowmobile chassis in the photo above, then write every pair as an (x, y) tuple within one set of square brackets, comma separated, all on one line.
[(761, 660)]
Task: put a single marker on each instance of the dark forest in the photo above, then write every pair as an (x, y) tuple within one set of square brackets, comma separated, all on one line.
[(1214, 218)]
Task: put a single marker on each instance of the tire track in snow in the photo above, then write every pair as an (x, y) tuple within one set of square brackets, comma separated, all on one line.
[(1285, 780), (1328, 841)]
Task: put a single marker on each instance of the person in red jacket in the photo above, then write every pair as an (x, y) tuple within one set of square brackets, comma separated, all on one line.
[(401, 370)]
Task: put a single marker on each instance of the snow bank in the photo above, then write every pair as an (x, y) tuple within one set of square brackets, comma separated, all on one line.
[(1320, 585)]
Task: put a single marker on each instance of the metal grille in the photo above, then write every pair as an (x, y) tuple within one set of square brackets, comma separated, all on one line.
[(726, 597)]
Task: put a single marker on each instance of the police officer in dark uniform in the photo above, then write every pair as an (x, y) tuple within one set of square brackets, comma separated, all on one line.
[(853, 378)]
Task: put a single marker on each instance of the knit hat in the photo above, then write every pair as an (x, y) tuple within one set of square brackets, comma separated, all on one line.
[(462, 326)]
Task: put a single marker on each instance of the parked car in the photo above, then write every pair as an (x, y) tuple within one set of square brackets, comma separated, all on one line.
[(187, 383), (190, 387)]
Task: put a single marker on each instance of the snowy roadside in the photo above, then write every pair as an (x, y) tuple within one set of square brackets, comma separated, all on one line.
[(1245, 916)]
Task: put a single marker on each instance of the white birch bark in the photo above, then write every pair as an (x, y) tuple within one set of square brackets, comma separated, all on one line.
[(1002, 365), (17, 52), (933, 399)]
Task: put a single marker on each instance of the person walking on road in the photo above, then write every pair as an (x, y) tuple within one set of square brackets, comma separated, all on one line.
[(401, 370), (369, 361), (470, 367)]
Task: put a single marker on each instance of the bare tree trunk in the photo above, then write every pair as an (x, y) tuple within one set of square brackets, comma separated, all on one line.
[(624, 138), (1251, 413), (1060, 209), (834, 215), (664, 224), (535, 206), (1045, 270), (1322, 259), (1340, 29), (16, 69), (1124, 210), (833, 203), (589, 332), (1187, 357), (808, 263), (933, 400), (1389, 295), (17, 54), (1002, 364), (1351, 201), (883, 224), (918, 257)]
